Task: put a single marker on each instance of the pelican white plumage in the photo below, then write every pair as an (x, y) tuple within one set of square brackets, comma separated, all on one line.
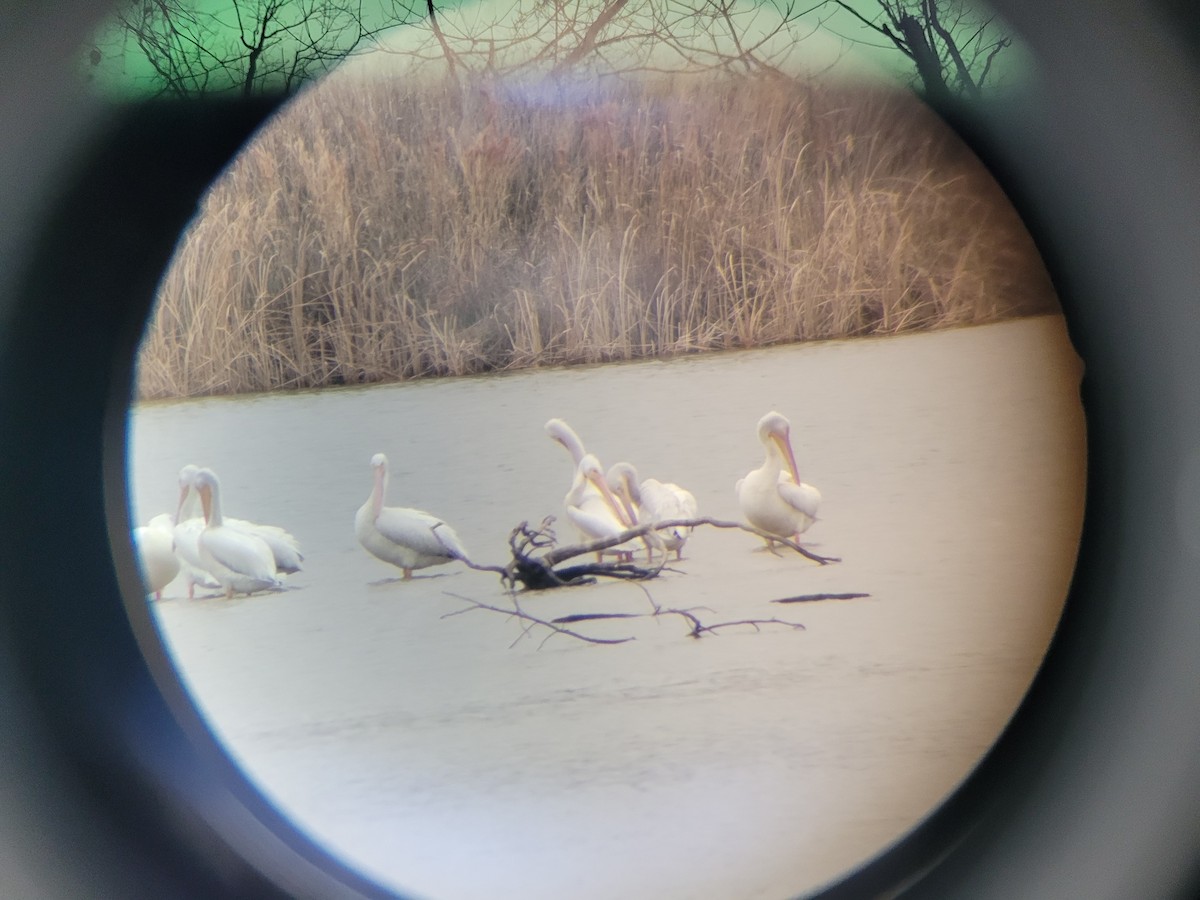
[(585, 496), (156, 558), (239, 561), (564, 434), (407, 538), (285, 549), (593, 509), (772, 497), (652, 500)]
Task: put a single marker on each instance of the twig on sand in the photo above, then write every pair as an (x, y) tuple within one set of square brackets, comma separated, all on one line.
[(809, 598), (519, 613), (697, 628)]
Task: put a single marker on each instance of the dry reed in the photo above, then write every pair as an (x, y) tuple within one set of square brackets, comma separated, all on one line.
[(389, 231)]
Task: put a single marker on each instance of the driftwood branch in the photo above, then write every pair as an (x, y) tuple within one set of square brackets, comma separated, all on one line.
[(810, 598), (563, 553), (697, 628), (533, 567), (518, 613), (536, 559)]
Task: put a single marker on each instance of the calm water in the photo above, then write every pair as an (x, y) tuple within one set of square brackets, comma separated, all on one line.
[(448, 762)]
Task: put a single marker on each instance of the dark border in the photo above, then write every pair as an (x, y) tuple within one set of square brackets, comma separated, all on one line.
[(1093, 792)]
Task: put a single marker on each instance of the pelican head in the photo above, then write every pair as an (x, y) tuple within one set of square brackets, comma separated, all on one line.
[(379, 461), (775, 432), (623, 482), (186, 476), (563, 433), (206, 485), (589, 468)]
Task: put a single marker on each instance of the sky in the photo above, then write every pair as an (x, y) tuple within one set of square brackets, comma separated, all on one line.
[(827, 40)]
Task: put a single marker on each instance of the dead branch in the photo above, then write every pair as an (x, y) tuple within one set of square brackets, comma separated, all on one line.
[(517, 612), (809, 598), (563, 553), (535, 563), (697, 628)]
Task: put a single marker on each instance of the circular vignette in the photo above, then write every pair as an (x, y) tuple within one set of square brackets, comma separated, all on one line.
[(1089, 793)]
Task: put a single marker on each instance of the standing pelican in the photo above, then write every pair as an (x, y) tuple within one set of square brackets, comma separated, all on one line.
[(156, 558), (240, 562), (407, 538), (654, 501), (773, 498), (592, 507), (285, 549)]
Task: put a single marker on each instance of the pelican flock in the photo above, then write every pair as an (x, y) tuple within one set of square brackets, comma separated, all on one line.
[(239, 556), (593, 509), (772, 497), (407, 538)]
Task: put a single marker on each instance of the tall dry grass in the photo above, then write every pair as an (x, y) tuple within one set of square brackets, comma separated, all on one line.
[(381, 232)]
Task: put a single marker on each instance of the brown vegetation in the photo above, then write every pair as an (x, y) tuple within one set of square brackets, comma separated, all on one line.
[(386, 231)]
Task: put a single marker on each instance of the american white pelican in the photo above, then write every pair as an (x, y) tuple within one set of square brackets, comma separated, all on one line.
[(592, 507), (564, 434), (285, 549), (654, 501), (241, 562), (772, 497), (156, 558), (583, 491), (407, 538)]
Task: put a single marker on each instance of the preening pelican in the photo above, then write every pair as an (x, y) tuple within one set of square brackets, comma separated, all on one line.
[(240, 562), (285, 549), (772, 497), (564, 434), (592, 507), (585, 499), (156, 558), (654, 501), (407, 538)]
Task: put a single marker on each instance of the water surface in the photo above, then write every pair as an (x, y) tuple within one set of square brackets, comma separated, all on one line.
[(452, 758)]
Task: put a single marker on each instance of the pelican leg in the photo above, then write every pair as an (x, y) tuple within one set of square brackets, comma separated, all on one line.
[(408, 574)]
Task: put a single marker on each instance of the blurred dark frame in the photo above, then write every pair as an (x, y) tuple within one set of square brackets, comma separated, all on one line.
[(1094, 791)]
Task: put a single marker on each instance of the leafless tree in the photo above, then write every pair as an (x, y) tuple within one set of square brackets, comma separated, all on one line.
[(616, 36), (196, 47), (952, 43)]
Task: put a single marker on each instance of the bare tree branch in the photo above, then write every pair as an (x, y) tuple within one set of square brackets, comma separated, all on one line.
[(947, 40), (198, 47)]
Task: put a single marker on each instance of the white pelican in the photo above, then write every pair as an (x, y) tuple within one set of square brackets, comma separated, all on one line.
[(407, 538), (654, 501), (592, 507), (773, 498), (241, 562), (564, 434), (285, 549), (583, 492), (156, 558)]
